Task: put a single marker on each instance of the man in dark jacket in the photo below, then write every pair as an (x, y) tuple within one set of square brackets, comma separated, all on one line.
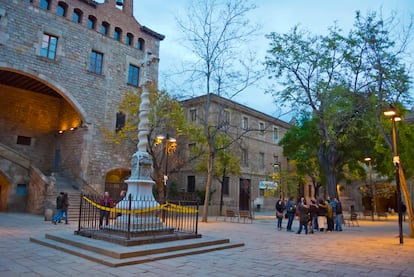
[(290, 211), (339, 216), (58, 215)]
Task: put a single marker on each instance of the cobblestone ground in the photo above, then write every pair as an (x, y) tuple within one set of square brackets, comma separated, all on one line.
[(372, 249)]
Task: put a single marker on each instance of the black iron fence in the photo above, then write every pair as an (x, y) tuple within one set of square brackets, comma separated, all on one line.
[(136, 217)]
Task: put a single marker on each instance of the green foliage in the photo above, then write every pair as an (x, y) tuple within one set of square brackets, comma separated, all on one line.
[(345, 81)]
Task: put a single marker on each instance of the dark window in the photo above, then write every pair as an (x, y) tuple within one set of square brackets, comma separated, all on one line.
[(77, 16), (190, 183), (129, 39), (21, 189), (193, 114), (105, 28), (140, 44), (133, 75), (28, 1), (96, 62), (61, 9), (226, 186), (245, 157), (118, 34), (120, 121), (45, 4), (24, 140), (91, 22), (49, 45)]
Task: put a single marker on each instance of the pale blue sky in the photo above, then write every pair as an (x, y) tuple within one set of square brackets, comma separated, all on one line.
[(273, 15)]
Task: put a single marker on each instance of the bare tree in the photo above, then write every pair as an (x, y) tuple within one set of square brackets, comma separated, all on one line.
[(215, 33)]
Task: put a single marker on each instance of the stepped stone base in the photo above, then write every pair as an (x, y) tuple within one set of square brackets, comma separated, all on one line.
[(116, 255)]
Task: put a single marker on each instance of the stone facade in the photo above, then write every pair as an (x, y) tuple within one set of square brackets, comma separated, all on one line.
[(258, 145), (42, 96)]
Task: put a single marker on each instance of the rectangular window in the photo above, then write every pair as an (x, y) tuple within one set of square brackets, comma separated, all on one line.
[(120, 121), (276, 164), (227, 116), (275, 134), (22, 140), (191, 150), (49, 45), (96, 62), (190, 183), (133, 75), (261, 128), (244, 158), (245, 123), (226, 186), (261, 161), (21, 189), (193, 114)]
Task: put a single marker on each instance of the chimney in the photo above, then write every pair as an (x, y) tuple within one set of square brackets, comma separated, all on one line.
[(128, 7)]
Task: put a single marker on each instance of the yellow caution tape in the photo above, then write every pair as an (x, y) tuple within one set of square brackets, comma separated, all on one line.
[(167, 207)]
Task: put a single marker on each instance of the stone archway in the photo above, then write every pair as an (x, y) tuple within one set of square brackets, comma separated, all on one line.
[(42, 122), (4, 192), (115, 182)]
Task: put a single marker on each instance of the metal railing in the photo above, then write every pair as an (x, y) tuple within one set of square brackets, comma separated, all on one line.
[(136, 217)]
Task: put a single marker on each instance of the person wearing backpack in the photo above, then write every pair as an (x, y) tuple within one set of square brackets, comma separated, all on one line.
[(290, 211)]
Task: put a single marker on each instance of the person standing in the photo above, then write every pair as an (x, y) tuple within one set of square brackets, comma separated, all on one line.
[(106, 202), (303, 216), (280, 208), (329, 216), (313, 214), (290, 211), (339, 215), (322, 210), (58, 216), (65, 205)]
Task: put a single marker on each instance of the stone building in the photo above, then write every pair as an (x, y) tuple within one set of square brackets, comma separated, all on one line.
[(64, 67), (258, 149)]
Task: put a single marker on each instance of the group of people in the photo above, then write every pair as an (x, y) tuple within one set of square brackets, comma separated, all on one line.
[(321, 215), (62, 204)]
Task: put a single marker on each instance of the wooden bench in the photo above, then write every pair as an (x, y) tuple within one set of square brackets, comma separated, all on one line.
[(245, 215), (366, 214), (353, 220), (231, 215), (385, 215)]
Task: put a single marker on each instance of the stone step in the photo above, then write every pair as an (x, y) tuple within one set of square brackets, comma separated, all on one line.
[(115, 255)]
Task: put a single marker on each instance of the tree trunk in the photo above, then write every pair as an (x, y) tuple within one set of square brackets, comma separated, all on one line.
[(327, 159), (210, 167)]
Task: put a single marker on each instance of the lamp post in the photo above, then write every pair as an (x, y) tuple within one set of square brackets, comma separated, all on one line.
[(396, 160), (169, 147), (373, 204)]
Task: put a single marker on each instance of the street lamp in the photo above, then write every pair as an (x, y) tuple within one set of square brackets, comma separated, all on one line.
[(170, 145), (373, 208), (396, 160)]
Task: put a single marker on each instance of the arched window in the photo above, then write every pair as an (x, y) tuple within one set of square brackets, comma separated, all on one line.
[(91, 22), (77, 16), (129, 40), (118, 34), (105, 28), (45, 4), (141, 43), (61, 9)]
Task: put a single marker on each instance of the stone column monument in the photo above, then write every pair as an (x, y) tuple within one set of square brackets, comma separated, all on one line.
[(140, 182)]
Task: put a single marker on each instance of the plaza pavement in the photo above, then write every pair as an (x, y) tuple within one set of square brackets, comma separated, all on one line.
[(372, 249)]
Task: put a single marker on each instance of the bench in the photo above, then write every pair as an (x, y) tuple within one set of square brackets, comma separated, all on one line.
[(231, 215), (353, 220), (385, 215), (367, 213), (245, 215)]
